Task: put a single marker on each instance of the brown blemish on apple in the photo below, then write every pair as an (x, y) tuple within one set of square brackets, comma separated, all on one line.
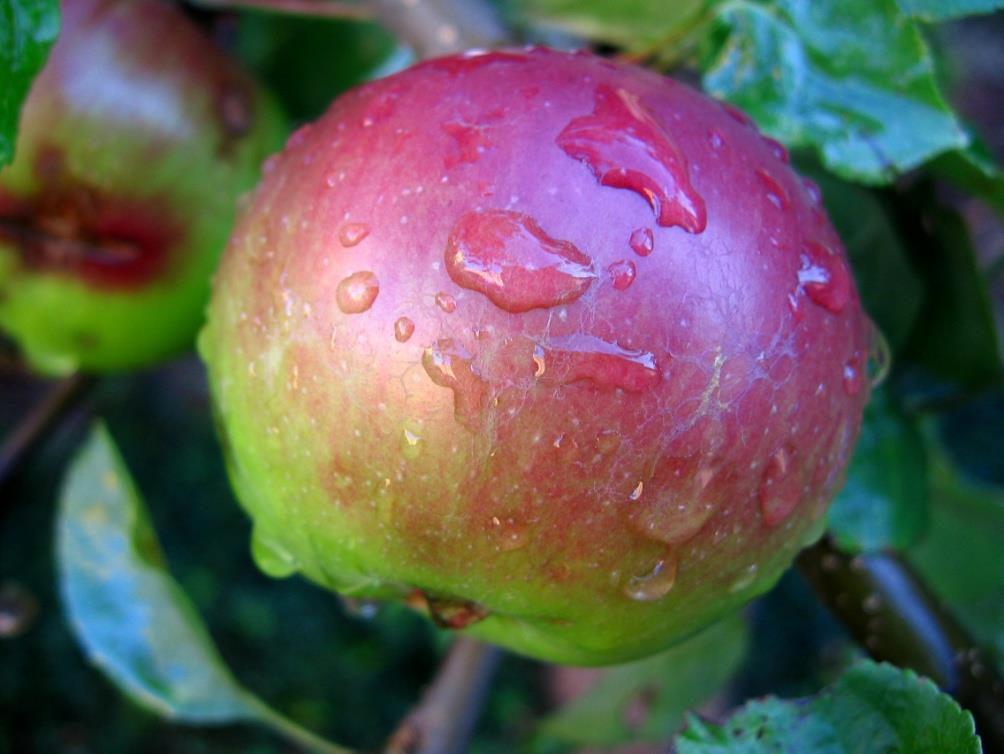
[(74, 229), (446, 612)]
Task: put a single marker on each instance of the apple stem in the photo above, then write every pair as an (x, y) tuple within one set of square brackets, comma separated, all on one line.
[(60, 397), (441, 27), (889, 610), (444, 720)]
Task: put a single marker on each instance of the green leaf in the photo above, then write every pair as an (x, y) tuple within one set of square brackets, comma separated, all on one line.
[(870, 709), (853, 79), (28, 28), (941, 10), (960, 557), (884, 502), (633, 24), (955, 336), (664, 686), (131, 617), (133, 620), (889, 285)]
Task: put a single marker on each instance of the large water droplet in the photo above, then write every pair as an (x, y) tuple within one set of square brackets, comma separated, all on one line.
[(582, 357), (776, 193), (446, 302), (271, 557), (449, 365), (780, 487), (350, 234), (624, 146), (777, 148), (470, 142), (824, 277), (642, 241), (356, 293), (404, 328), (654, 584), (622, 274), (507, 257)]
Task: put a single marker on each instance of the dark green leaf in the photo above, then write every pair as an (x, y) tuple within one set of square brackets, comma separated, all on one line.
[(890, 287), (960, 558), (131, 617), (955, 336), (662, 688), (634, 24), (28, 29), (939, 10), (884, 502), (871, 709), (853, 79)]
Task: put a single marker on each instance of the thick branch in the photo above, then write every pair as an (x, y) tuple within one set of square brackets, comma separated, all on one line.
[(38, 420), (888, 609), (444, 720)]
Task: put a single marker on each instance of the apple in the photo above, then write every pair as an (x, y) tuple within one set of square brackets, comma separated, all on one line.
[(559, 350), (135, 141)]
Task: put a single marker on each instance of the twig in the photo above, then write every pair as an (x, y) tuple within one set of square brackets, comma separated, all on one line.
[(439, 27), (888, 609), (39, 419), (315, 8), (444, 720)]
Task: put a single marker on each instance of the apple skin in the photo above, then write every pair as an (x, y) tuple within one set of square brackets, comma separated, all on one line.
[(559, 350), (135, 142)]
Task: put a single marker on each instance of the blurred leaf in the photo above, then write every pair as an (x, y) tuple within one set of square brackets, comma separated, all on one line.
[(884, 502), (131, 617), (956, 334), (308, 62), (852, 78), (28, 29), (633, 24), (973, 171), (890, 287), (960, 557), (940, 10), (664, 687), (870, 709)]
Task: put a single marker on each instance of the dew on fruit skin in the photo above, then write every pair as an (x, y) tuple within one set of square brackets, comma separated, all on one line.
[(351, 234), (449, 365), (506, 256), (776, 193), (470, 142), (654, 584), (623, 145), (716, 140), (446, 302), (404, 328), (271, 557), (879, 358), (356, 293), (510, 533), (777, 149), (539, 361), (824, 277), (745, 580), (636, 493), (622, 274), (736, 114), (852, 375), (608, 365), (780, 488), (813, 190), (642, 241)]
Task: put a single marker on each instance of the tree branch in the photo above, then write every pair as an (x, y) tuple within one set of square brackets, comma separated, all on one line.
[(887, 608), (315, 8), (439, 27), (62, 396), (444, 720)]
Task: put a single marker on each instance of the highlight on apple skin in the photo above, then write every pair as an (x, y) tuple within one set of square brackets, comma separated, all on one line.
[(135, 142), (558, 350)]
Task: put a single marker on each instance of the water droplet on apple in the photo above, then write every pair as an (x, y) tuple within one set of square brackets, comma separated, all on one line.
[(776, 193), (271, 557), (624, 146), (777, 149), (449, 365), (642, 241), (654, 584), (716, 140), (622, 274), (637, 491), (446, 302), (813, 190), (736, 114), (509, 258), (351, 234), (411, 442), (780, 487), (852, 375), (356, 293), (582, 357), (510, 533), (404, 328), (745, 580), (824, 277)]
